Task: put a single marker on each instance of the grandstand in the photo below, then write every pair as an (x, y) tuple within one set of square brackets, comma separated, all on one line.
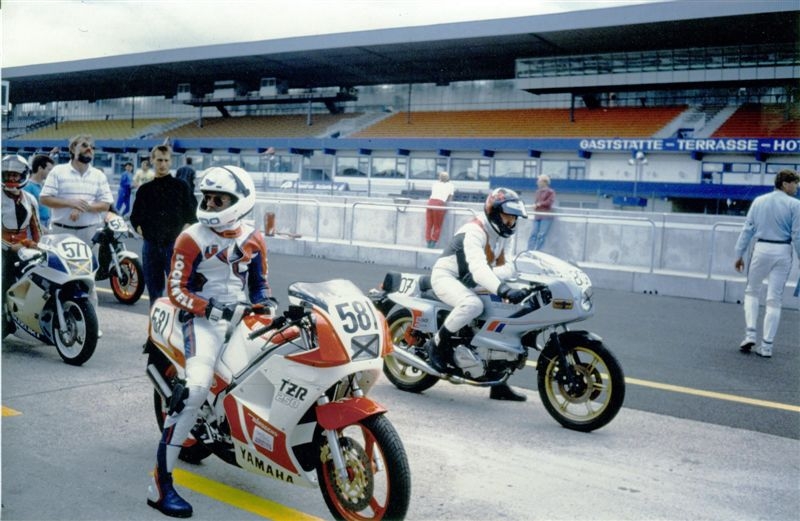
[(531, 123), (706, 92)]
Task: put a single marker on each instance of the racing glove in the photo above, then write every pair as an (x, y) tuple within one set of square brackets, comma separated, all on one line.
[(216, 311), (515, 296)]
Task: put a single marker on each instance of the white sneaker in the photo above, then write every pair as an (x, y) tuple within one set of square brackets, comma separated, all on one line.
[(99, 334), (764, 350), (747, 344)]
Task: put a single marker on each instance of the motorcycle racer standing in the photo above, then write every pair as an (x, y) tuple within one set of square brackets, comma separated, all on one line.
[(476, 256), (216, 261)]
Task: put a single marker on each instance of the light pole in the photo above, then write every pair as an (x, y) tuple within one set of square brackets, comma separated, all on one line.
[(638, 161)]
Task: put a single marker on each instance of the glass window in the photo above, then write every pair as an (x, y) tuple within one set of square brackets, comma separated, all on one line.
[(387, 167), (426, 168), (224, 159), (464, 169), (349, 167)]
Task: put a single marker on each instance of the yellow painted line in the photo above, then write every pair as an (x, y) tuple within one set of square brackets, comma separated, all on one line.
[(239, 498), (8, 411), (713, 394), (707, 394)]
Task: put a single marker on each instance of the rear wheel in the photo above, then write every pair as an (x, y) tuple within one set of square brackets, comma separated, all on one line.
[(590, 397), (377, 484), (405, 377), (127, 286), (76, 339)]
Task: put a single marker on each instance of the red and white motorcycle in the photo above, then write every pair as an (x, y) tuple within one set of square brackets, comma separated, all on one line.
[(289, 399)]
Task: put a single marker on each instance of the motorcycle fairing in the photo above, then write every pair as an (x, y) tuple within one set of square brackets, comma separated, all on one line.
[(69, 254), (253, 436), (165, 331), (348, 326)]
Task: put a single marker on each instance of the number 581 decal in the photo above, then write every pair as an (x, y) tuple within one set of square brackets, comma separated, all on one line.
[(357, 316)]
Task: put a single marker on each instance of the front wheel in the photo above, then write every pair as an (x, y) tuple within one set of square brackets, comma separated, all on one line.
[(586, 395), (405, 377), (377, 484), (76, 339), (128, 284)]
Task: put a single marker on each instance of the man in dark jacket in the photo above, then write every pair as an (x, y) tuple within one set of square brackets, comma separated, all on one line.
[(161, 210)]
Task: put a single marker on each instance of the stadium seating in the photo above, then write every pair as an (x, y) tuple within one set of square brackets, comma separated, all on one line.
[(761, 121), (295, 125), (543, 123), (103, 129)]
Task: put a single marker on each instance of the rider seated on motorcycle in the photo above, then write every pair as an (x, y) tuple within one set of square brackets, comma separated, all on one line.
[(217, 262), (476, 256), (20, 216)]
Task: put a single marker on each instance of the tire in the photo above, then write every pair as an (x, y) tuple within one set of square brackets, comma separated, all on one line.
[(192, 451), (129, 288), (379, 477), (404, 377), (76, 340), (601, 388)]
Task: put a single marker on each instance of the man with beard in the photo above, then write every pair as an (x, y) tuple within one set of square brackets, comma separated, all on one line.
[(78, 194)]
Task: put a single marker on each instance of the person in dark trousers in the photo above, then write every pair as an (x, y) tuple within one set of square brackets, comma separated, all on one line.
[(161, 210), (125, 190), (187, 174)]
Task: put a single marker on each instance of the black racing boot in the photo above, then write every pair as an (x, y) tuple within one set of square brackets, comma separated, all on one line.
[(505, 392), (439, 349)]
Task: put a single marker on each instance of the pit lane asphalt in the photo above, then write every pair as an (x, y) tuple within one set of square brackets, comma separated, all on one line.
[(705, 433)]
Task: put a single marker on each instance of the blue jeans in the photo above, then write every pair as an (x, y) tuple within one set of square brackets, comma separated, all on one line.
[(156, 260), (541, 227)]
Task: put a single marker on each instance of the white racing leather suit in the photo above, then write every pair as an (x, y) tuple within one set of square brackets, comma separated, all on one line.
[(474, 257), (208, 264)]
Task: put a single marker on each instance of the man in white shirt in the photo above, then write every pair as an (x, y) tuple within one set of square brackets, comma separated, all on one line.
[(78, 194)]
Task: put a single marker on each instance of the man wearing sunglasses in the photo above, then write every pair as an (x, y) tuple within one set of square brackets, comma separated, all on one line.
[(161, 210), (217, 262), (78, 194)]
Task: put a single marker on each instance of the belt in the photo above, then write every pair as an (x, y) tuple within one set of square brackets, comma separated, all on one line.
[(774, 242), (72, 227)]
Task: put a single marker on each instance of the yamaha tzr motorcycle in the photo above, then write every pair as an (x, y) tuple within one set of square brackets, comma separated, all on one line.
[(49, 302), (580, 382), (118, 264), (289, 399)]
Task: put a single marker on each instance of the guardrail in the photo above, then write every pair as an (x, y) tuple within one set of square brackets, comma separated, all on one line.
[(673, 244)]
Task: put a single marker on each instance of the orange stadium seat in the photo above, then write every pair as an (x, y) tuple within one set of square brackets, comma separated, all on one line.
[(99, 129), (761, 121), (524, 123), (295, 125)]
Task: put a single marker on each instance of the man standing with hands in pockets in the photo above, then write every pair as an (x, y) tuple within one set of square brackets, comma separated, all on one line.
[(774, 221)]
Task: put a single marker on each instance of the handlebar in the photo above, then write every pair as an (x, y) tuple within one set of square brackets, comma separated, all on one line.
[(291, 317)]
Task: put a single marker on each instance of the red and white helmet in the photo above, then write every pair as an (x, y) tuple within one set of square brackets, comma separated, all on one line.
[(503, 200), (14, 163), (233, 181)]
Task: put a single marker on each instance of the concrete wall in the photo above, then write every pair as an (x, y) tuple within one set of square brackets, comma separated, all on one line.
[(669, 254)]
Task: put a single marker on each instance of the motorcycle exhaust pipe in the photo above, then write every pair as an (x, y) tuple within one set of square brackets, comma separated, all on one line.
[(414, 361), (158, 382)]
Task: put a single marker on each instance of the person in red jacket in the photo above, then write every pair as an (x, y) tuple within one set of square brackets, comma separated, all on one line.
[(543, 203)]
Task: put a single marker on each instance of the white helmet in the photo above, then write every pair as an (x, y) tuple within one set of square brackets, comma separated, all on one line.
[(230, 180), (19, 165)]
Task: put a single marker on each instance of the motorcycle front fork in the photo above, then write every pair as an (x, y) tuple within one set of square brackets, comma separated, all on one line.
[(333, 436)]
